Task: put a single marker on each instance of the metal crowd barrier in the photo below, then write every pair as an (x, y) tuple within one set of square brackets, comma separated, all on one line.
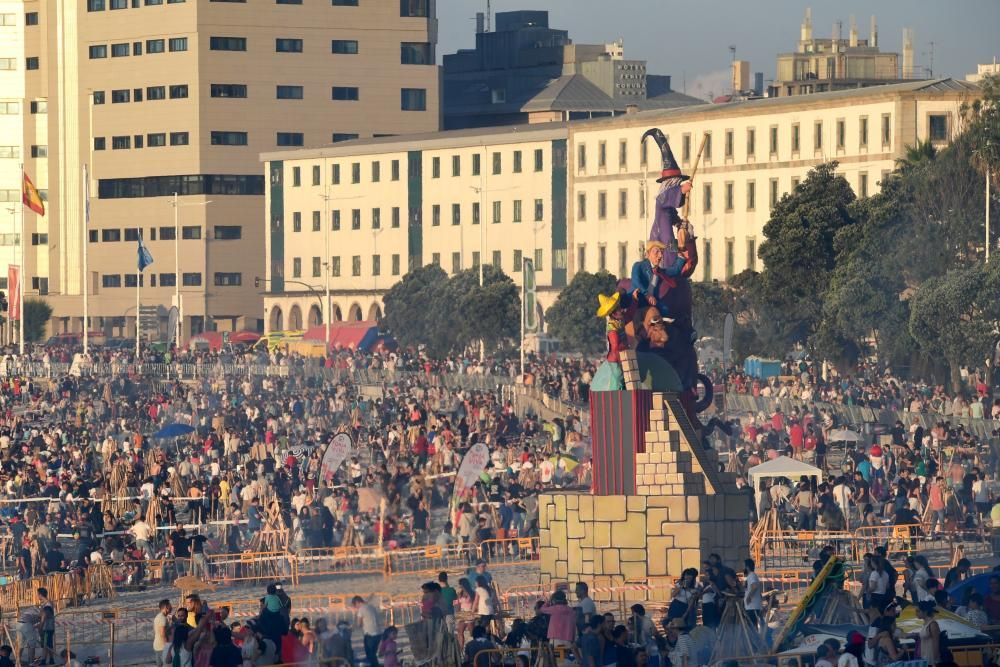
[(857, 414), (315, 562), (259, 567), (179, 370)]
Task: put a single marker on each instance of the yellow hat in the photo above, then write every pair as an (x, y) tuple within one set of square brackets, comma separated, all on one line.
[(655, 244), (608, 304)]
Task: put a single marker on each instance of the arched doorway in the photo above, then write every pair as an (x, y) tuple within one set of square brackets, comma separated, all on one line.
[(337, 315), (374, 313), (354, 314), (315, 317), (295, 318), (277, 319)]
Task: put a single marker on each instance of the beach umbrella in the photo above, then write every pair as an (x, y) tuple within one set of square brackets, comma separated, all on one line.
[(174, 431)]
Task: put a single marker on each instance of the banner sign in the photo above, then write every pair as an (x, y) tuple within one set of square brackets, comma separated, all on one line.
[(13, 292), (473, 464), (336, 452)]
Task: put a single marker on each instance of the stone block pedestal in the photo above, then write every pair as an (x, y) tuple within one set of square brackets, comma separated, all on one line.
[(682, 510)]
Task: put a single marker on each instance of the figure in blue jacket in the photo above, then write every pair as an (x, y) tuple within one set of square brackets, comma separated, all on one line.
[(650, 282)]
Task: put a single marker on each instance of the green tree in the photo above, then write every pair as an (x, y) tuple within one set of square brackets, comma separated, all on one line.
[(759, 325), (572, 319), (863, 300), (411, 306), (916, 156), (37, 313), (957, 316), (799, 253), (491, 313)]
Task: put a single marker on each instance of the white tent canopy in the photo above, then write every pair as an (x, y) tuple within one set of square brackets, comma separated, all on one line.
[(783, 466)]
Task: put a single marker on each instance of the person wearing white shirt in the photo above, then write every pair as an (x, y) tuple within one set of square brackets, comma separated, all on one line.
[(878, 584), (753, 597), (842, 496)]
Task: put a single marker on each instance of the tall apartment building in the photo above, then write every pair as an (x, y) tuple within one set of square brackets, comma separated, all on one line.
[(575, 196), (175, 96), (12, 136)]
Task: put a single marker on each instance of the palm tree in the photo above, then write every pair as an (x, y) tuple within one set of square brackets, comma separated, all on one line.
[(916, 155)]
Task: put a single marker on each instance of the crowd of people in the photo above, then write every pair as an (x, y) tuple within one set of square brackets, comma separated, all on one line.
[(803, 380), (83, 482)]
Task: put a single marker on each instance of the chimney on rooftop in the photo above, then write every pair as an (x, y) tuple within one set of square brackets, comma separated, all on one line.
[(873, 35), (908, 53), (854, 32), (806, 34)]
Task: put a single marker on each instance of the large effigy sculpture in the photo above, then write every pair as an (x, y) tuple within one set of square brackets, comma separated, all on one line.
[(659, 503)]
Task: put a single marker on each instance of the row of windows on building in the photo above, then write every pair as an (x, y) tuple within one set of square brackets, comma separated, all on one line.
[(159, 139), (690, 144), (407, 8), (517, 167), (150, 94), (516, 212), (8, 20), (9, 195), (183, 185), (124, 49), (410, 53), (151, 140), (220, 279), (188, 233), (626, 257), (375, 266), (707, 197), (101, 5)]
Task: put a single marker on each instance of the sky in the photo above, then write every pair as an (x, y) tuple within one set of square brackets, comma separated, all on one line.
[(690, 40)]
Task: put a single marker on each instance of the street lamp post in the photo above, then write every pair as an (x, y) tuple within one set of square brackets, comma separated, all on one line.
[(177, 264), (327, 223)]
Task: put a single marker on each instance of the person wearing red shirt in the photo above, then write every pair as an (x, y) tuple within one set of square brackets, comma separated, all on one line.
[(562, 620), (420, 447), (796, 436), (778, 421)]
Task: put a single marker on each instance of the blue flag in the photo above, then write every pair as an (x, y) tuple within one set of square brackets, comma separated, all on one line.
[(145, 258)]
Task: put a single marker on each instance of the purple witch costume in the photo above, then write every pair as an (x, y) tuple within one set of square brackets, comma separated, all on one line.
[(668, 200)]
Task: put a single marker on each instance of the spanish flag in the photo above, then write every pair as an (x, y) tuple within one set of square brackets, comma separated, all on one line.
[(31, 197)]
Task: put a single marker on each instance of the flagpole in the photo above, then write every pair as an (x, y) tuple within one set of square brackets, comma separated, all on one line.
[(86, 271), (138, 287), (86, 222), (20, 277)]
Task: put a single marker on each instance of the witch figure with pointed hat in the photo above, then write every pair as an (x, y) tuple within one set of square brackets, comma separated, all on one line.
[(674, 188)]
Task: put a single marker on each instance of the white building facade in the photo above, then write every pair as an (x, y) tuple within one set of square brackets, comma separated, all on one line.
[(755, 153), (381, 207), (575, 197)]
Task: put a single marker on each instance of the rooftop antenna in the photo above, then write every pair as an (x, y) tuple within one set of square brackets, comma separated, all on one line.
[(930, 70)]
